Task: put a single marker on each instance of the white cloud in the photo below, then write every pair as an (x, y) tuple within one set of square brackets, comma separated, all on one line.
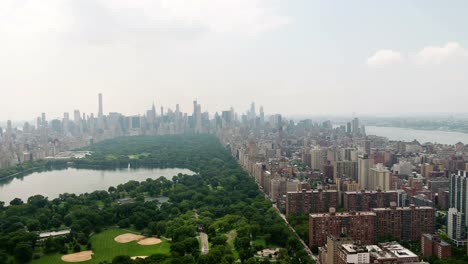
[(452, 52), (384, 57), (105, 20), (434, 55)]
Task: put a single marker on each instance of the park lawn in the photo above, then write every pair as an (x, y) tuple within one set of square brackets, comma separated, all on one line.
[(231, 237), (137, 156), (110, 157), (133, 157), (100, 204), (105, 249), (260, 241)]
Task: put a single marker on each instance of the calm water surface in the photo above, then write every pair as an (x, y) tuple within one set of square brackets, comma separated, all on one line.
[(407, 134), (52, 183)]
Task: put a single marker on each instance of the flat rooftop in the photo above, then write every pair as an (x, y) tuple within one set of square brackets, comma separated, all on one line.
[(398, 250), (352, 248), (345, 214), (404, 208)]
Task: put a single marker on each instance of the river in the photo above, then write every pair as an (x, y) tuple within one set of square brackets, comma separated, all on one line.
[(407, 134), (52, 183)]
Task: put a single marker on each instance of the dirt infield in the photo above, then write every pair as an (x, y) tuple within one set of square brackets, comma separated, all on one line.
[(149, 241), (139, 257), (78, 257), (128, 237)]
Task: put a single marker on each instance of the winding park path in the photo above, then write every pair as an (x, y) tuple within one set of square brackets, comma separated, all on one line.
[(204, 243), (203, 240)]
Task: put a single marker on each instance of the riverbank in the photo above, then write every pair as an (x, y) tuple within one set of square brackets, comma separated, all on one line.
[(427, 128), (422, 136)]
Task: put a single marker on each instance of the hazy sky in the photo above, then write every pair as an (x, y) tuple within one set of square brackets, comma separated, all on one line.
[(291, 56)]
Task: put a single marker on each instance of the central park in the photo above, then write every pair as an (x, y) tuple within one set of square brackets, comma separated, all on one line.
[(153, 220)]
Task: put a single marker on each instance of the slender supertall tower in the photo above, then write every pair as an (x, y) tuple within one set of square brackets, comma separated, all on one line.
[(253, 115), (100, 113), (262, 115), (197, 116)]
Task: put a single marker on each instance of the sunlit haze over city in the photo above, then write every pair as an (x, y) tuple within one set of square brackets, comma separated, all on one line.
[(293, 57), (233, 131)]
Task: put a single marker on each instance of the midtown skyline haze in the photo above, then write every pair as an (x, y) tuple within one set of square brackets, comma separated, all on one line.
[(291, 57)]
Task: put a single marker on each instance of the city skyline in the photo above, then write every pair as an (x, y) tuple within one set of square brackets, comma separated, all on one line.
[(158, 111), (233, 131), (330, 57), (244, 110)]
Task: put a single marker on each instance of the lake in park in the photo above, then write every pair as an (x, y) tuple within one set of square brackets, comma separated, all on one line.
[(52, 183)]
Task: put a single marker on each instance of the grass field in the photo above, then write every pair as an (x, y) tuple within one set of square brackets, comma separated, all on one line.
[(137, 156), (230, 241), (260, 241), (105, 248)]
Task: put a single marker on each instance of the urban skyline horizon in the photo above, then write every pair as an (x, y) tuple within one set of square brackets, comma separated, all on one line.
[(296, 117)]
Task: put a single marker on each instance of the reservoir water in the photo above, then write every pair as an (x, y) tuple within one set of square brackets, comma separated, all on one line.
[(423, 136), (52, 183)]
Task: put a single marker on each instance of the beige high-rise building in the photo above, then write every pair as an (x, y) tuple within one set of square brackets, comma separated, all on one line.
[(426, 169), (364, 164), (379, 178), (333, 243), (316, 158)]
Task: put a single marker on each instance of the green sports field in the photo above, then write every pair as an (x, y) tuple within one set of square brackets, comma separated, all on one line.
[(105, 248)]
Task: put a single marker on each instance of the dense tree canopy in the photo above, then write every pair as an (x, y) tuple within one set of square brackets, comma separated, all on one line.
[(219, 198)]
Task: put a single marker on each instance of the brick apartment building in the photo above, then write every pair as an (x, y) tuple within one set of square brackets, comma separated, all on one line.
[(398, 223), (432, 245), (314, 201), (403, 223), (366, 200), (357, 225)]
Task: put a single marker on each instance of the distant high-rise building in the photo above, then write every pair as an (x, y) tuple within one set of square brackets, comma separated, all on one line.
[(316, 159), (227, 117), (43, 120), (9, 132), (355, 126), (456, 225), (77, 121), (363, 130), (100, 112), (364, 164), (349, 128), (197, 117), (458, 205), (345, 169), (66, 119), (380, 178), (100, 121), (253, 115), (151, 116), (262, 116), (366, 146)]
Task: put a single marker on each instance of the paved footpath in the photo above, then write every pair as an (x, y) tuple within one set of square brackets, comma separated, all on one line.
[(204, 242)]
